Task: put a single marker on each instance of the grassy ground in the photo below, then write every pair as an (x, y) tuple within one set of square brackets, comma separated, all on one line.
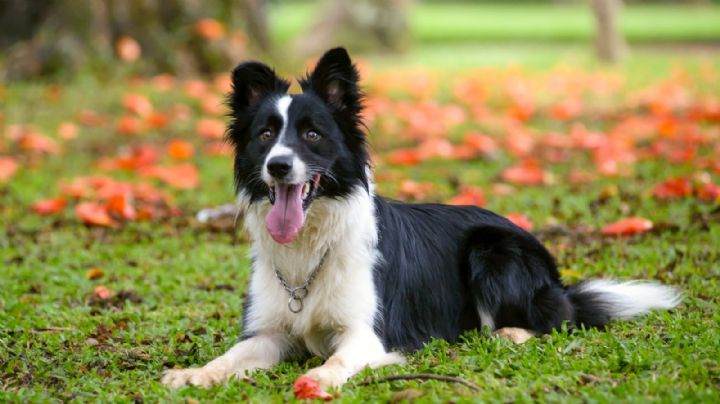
[(469, 22), (180, 286)]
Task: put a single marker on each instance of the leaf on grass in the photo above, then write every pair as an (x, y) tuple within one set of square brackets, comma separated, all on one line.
[(8, 168), (480, 143), (673, 188), (138, 104), (413, 190), (708, 192), (569, 273), (520, 221), (95, 273), (468, 196), (102, 293), (121, 205), (527, 172), (180, 150), (404, 157), (67, 130), (209, 128), (181, 176), (435, 148), (37, 142), (93, 213), (49, 206), (128, 125), (157, 120), (627, 227), (305, 388)]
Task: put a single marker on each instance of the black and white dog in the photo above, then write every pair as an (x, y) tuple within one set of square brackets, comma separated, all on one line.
[(344, 274)]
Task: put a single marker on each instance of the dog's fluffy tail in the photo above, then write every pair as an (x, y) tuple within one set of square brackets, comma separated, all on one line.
[(599, 301)]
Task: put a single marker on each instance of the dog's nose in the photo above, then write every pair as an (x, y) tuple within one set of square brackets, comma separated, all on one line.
[(279, 166)]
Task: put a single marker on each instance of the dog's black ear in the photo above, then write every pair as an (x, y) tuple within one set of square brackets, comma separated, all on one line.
[(335, 80), (251, 82)]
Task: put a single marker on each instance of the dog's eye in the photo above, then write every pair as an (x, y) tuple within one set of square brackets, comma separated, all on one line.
[(312, 136), (266, 135)]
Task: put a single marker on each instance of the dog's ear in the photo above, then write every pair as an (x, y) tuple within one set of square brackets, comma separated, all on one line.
[(335, 80), (251, 82)]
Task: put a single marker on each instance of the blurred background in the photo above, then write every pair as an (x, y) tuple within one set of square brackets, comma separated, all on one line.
[(188, 37), (528, 92)]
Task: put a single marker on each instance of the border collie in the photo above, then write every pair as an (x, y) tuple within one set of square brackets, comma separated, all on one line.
[(347, 275)]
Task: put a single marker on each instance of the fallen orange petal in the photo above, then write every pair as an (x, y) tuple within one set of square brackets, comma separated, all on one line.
[(95, 273), (469, 196), (8, 168), (520, 221), (137, 103), (49, 206), (210, 128), (628, 227), (102, 292), (180, 150), (93, 214)]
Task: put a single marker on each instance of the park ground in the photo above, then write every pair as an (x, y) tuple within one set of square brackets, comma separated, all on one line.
[(103, 291)]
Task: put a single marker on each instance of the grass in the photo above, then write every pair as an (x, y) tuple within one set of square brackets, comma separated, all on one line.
[(184, 283), (486, 23)]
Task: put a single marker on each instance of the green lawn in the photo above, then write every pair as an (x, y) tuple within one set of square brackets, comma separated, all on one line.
[(180, 286), (445, 23)]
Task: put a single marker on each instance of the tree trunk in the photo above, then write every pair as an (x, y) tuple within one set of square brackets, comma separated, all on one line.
[(65, 35), (609, 42), (357, 24)]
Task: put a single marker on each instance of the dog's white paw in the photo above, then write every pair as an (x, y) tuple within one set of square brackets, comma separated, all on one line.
[(329, 377), (200, 377), (514, 334)]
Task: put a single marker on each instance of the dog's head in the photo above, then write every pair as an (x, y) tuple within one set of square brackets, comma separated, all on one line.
[(295, 148)]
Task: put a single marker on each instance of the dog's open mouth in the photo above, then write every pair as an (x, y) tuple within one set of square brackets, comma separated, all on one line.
[(287, 213)]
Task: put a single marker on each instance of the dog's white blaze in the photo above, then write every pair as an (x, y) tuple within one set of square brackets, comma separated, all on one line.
[(299, 171), (627, 300)]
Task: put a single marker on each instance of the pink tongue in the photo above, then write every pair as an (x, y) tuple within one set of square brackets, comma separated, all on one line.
[(286, 216)]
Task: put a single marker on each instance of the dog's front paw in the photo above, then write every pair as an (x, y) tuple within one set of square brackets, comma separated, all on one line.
[(201, 377), (329, 377)]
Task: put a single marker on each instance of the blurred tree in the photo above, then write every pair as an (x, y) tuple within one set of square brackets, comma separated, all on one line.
[(358, 24), (47, 36), (609, 41)]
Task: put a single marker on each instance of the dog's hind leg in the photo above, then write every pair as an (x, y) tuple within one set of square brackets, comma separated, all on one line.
[(515, 284), (257, 352)]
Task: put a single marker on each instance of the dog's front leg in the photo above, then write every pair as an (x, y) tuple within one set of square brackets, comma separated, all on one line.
[(356, 349), (258, 352)]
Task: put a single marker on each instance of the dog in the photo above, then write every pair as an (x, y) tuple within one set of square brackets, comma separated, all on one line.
[(344, 274)]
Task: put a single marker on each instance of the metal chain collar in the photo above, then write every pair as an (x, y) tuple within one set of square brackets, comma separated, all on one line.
[(297, 294)]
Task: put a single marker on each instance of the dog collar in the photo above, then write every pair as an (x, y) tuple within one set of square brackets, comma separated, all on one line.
[(297, 294)]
